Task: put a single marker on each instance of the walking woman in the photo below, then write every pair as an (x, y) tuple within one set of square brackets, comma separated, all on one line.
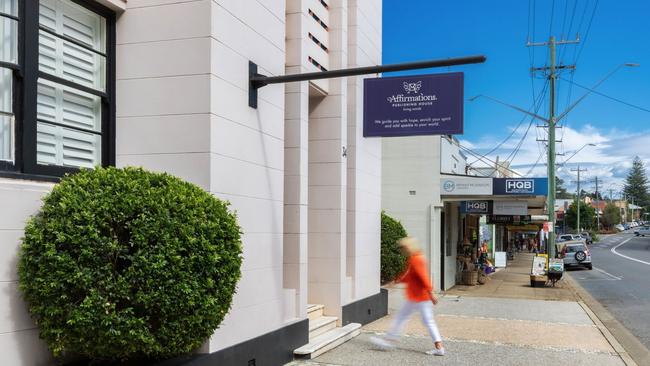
[(419, 297)]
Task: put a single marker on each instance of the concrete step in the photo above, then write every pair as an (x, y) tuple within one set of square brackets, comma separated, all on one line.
[(328, 340), (315, 311), (321, 325)]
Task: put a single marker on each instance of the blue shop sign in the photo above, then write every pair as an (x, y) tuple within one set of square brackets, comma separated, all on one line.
[(413, 105), (520, 186), (476, 207)]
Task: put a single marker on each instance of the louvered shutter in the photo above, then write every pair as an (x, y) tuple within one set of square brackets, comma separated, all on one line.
[(69, 120)]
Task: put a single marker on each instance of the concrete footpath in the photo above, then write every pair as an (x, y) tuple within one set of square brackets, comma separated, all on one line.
[(503, 322)]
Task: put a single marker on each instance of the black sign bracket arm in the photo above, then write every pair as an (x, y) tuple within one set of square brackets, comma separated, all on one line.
[(256, 80)]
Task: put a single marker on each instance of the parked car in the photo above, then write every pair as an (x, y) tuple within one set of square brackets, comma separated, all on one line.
[(569, 237), (585, 235), (576, 254), (642, 231), (626, 226), (619, 227)]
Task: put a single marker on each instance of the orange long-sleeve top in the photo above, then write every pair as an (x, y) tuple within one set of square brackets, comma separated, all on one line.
[(416, 277)]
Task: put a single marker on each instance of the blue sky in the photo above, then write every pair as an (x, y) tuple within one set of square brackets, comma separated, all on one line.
[(619, 33)]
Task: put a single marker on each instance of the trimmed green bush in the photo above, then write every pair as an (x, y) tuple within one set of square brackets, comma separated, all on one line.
[(126, 264), (393, 262)]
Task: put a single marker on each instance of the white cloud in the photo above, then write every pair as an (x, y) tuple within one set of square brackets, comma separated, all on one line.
[(610, 160)]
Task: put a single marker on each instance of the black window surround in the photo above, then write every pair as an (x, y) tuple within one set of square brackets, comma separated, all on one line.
[(25, 93)]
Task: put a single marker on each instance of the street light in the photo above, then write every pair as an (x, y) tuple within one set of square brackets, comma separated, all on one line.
[(552, 120), (575, 153)]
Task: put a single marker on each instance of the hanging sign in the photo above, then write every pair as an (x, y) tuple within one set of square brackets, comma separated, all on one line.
[(508, 219), (413, 105), (510, 208), (520, 186), (465, 186), (476, 207)]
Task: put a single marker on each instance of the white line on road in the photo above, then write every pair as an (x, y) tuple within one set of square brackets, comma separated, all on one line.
[(608, 274), (613, 250)]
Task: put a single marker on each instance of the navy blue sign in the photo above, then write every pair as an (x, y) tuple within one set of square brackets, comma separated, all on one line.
[(413, 105), (476, 207), (520, 186)]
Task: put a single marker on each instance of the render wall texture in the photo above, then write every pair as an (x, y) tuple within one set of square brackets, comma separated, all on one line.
[(363, 155), (411, 190), (182, 108)]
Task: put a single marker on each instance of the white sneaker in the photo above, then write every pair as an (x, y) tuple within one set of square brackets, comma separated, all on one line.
[(436, 352), (382, 343)]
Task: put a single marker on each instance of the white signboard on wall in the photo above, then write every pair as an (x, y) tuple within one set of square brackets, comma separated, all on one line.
[(516, 208), (500, 259), (464, 186)]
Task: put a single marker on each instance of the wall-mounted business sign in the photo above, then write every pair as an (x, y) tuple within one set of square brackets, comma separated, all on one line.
[(510, 208), (508, 219), (476, 207), (413, 105), (465, 186), (521, 186)]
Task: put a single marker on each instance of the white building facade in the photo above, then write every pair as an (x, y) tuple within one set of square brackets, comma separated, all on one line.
[(164, 85)]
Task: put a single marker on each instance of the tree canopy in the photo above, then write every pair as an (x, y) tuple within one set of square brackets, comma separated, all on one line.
[(636, 184)]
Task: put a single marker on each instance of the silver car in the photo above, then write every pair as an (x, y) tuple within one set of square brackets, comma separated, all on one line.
[(576, 254)]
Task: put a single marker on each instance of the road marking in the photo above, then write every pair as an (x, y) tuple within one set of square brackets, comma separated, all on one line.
[(613, 250), (608, 274)]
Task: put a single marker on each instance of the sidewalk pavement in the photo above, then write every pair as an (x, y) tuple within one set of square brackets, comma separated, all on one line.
[(503, 322)]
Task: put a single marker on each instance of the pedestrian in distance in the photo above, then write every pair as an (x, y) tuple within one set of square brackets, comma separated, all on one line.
[(419, 297)]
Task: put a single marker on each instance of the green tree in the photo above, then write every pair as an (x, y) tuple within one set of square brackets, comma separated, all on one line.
[(636, 184), (611, 215), (393, 261), (587, 216), (561, 191)]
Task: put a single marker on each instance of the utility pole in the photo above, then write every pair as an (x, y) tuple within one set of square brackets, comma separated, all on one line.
[(597, 208), (579, 197), (551, 124)]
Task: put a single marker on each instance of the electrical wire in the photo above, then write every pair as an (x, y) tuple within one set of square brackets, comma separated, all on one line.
[(609, 97), (582, 45), (530, 171), (484, 158), (518, 125), (532, 120)]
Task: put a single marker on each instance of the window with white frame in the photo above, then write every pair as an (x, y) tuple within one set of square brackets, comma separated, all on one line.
[(63, 71)]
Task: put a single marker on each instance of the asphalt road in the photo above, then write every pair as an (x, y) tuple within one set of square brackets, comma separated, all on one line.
[(620, 280)]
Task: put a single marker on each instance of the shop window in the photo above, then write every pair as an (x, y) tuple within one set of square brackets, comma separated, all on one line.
[(58, 109)]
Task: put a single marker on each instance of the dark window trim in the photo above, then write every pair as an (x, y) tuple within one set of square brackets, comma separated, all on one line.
[(26, 75), (71, 84), (71, 40), (68, 126), (9, 16)]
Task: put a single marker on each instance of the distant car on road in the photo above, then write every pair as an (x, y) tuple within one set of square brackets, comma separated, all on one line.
[(576, 254), (587, 237), (642, 231), (570, 237)]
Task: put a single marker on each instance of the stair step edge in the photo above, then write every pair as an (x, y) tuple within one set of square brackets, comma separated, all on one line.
[(327, 338), (321, 322)]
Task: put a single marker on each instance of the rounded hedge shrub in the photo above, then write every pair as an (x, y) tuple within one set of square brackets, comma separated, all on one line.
[(393, 262), (126, 264)]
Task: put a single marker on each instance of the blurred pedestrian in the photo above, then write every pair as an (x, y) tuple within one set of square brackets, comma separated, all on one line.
[(419, 297)]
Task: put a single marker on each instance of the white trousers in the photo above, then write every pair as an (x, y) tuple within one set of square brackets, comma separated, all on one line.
[(425, 308)]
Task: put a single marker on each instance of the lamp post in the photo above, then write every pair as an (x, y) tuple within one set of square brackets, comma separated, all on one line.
[(552, 121)]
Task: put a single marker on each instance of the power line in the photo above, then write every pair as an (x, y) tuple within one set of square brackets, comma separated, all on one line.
[(484, 158), (607, 96), (514, 153), (530, 171), (541, 97), (582, 46)]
